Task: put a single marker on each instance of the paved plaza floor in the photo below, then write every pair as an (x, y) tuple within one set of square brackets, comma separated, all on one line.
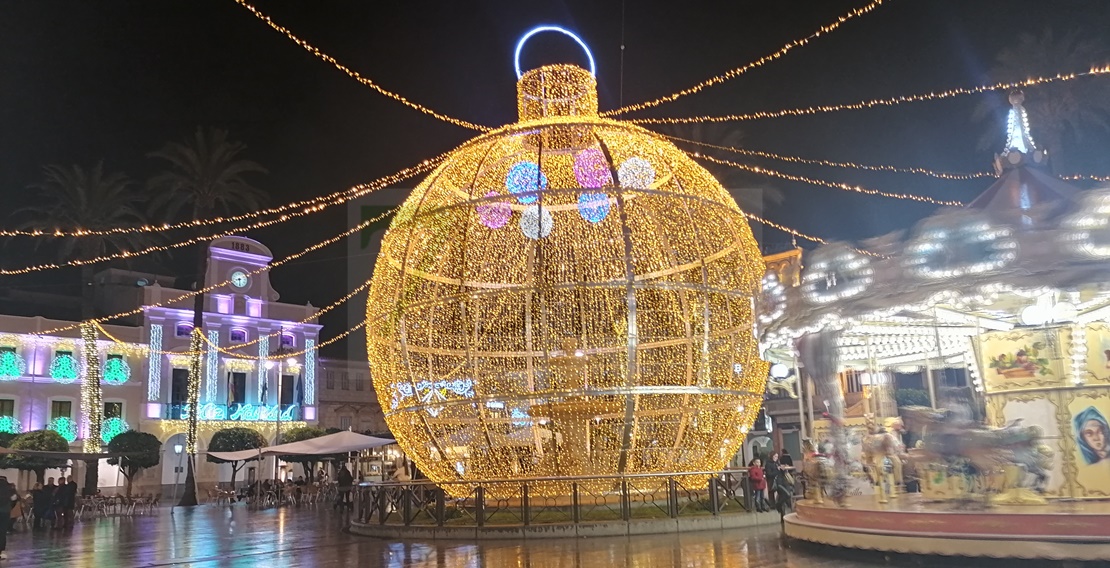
[(211, 536)]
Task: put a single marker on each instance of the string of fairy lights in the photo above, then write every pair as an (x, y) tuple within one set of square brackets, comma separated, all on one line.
[(800, 234), (887, 102), (733, 73), (357, 191), (313, 205), (355, 74), (832, 184), (870, 167), (211, 287), (851, 165)]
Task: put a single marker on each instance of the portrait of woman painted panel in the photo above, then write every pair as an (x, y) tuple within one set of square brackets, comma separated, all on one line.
[(1092, 435)]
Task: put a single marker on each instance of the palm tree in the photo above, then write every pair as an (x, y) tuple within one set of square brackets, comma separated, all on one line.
[(205, 176), (75, 198), (1059, 113)]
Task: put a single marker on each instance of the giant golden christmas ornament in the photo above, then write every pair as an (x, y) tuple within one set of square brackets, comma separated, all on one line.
[(567, 295)]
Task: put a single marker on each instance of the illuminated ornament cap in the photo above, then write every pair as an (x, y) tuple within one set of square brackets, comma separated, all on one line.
[(1018, 137), (1020, 149), (486, 344)]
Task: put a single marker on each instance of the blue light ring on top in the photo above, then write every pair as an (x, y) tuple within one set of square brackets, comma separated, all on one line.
[(539, 29)]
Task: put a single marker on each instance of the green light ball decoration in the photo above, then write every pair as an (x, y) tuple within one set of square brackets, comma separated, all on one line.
[(111, 428), (10, 424), (63, 369), (64, 426), (116, 371), (12, 366)]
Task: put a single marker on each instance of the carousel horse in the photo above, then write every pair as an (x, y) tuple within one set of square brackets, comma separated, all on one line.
[(975, 450), (817, 472), (880, 448)]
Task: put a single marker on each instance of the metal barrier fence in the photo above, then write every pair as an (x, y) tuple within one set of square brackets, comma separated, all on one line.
[(547, 500)]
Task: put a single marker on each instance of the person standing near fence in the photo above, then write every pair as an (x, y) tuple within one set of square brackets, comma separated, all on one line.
[(758, 485), (40, 504), (345, 481)]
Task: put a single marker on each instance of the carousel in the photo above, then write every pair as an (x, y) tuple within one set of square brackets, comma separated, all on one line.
[(1011, 290)]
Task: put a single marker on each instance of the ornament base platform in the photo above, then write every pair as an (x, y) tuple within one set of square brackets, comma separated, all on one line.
[(910, 525)]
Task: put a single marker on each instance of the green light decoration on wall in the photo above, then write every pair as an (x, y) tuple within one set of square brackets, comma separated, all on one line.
[(111, 428), (63, 368), (64, 426), (11, 425), (116, 371), (12, 366)]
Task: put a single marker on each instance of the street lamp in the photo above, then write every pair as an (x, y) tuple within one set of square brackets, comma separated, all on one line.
[(177, 449), (277, 357)]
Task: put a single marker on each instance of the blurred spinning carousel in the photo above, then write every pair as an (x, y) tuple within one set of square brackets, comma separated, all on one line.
[(1012, 289)]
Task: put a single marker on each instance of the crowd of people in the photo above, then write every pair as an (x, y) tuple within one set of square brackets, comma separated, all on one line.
[(51, 505), (772, 484)]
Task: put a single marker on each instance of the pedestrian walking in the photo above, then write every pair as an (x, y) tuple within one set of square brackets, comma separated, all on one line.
[(345, 481)]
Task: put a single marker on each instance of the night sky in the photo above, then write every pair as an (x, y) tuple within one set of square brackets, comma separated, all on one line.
[(112, 80)]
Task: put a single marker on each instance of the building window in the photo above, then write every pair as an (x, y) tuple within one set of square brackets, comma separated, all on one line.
[(238, 335), (61, 409), (183, 329), (345, 381), (7, 407), (344, 422), (330, 380), (238, 386), (360, 381), (287, 340), (113, 410)]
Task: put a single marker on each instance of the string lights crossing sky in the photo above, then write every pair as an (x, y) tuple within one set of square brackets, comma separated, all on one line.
[(355, 74), (732, 74), (347, 195), (832, 184), (310, 206), (211, 287), (892, 101)]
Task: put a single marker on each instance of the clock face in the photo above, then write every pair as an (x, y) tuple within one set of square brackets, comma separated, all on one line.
[(239, 279)]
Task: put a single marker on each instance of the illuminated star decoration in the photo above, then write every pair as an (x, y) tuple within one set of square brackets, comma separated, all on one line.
[(63, 369), (64, 426), (116, 371), (10, 424), (111, 428), (12, 366)]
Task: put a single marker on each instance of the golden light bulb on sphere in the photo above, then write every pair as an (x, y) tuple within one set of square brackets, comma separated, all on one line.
[(567, 295)]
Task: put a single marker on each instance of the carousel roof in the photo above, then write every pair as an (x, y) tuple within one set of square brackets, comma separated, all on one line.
[(1030, 239)]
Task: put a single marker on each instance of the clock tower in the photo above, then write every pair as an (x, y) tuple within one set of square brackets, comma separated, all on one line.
[(236, 261)]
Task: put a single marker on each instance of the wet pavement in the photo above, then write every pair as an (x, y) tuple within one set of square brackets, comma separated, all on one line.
[(210, 536)]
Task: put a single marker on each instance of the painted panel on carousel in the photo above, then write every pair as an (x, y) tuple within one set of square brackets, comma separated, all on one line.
[(1013, 360), (1090, 430), (1041, 410), (1098, 353)]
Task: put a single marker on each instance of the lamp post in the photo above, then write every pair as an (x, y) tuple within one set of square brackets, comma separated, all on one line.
[(177, 449), (277, 357)]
